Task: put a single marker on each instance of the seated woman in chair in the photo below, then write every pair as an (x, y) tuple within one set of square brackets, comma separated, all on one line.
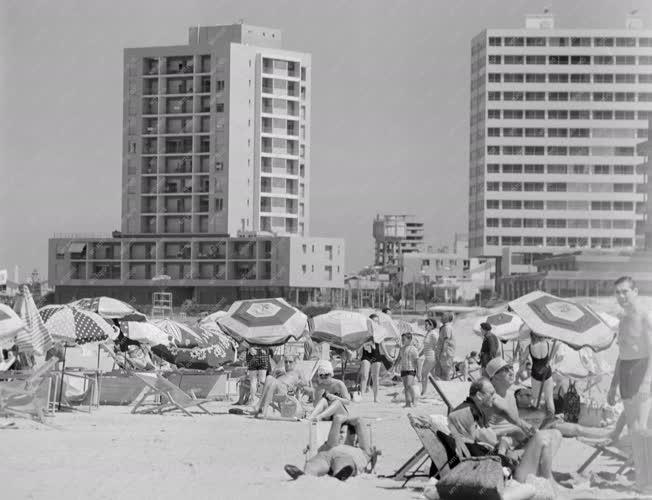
[(347, 452), (331, 395), (285, 384)]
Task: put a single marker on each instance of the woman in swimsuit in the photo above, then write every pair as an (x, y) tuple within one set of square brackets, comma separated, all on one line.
[(428, 353), (541, 353)]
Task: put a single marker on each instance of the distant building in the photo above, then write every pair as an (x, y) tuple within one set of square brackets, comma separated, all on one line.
[(395, 235), (582, 273), (556, 117), (215, 179)]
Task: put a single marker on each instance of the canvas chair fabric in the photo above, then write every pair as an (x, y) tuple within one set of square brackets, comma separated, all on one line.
[(30, 397), (612, 452), (175, 398)]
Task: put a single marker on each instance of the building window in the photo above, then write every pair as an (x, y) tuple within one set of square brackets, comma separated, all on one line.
[(219, 204), (303, 268), (219, 107), (304, 248)]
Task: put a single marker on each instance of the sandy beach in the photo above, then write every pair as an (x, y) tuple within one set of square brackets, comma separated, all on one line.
[(110, 453)]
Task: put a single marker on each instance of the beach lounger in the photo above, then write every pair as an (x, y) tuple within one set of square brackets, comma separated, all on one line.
[(612, 452), (172, 397), (433, 447), (452, 393), (29, 397)]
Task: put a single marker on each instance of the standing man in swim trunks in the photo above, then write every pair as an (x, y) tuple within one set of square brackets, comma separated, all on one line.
[(633, 372)]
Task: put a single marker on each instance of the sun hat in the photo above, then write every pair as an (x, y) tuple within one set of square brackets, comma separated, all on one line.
[(495, 365), (325, 368)]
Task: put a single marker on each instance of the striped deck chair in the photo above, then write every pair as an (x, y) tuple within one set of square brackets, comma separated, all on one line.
[(452, 393), (171, 396), (30, 397)]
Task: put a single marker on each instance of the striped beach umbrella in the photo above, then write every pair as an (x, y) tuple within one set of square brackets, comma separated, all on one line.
[(345, 329), (110, 308), (36, 337), (10, 325), (573, 324), (73, 325), (504, 325), (263, 321)]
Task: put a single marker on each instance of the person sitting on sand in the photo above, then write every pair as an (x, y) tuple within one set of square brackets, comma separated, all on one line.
[(346, 453), (463, 367), (470, 426), (331, 395), (285, 384)]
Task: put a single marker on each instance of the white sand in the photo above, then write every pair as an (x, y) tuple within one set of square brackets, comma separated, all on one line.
[(113, 454)]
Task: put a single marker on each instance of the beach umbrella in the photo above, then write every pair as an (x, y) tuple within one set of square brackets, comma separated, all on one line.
[(183, 335), (344, 329), (575, 325), (263, 321), (110, 308), (504, 325), (36, 337), (579, 364), (611, 321), (74, 325), (211, 319), (144, 333), (10, 325)]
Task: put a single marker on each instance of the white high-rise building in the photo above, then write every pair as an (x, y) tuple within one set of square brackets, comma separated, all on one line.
[(216, 135), (556, 116)]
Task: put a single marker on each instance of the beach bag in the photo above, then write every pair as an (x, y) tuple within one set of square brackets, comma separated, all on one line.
[(475, 477), (572, 404), (356, 394), (558, 400), (590, 414)]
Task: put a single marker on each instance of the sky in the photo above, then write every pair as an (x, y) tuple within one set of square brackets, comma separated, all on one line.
[(389, 106)]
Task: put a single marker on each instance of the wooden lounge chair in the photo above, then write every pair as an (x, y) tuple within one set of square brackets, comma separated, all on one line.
[(172, 397), (612, 452), (29, 397), (443, 458), (452, 393)]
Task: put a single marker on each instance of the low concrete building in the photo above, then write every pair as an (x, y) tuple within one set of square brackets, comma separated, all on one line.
[(583, 273), (208, 270)]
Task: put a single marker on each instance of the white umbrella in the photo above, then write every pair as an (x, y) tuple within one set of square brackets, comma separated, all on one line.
[(504, 325), (346, 329), (145, 333)]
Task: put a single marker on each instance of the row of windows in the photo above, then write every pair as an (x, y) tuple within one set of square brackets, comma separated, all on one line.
[(568, 78), (620, 133), (559, 241), (565, 114), (570, 96), (562, 150), (575, 41), (517, 168), (623, 206), (561, 223), (602, 60), (561, 187)]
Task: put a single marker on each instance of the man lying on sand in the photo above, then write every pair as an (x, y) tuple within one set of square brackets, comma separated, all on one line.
[(346, 453), (286, 384), (331, 395), (469, 424)]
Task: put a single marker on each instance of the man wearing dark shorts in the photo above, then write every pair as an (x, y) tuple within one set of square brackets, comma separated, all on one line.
[(633, 372)]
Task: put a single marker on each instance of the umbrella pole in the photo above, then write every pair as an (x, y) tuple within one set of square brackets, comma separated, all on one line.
[(63, 368)]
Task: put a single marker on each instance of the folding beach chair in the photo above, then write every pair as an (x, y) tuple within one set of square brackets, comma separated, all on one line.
[(435, 449), (612, 452), (172, 397), (29, 397), (452, 394)]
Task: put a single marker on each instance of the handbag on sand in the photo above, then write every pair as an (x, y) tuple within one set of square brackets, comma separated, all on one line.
[(572, 404), (476, 478)]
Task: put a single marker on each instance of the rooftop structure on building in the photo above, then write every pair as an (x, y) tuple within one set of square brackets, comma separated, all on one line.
[(556, 118), (395, 235)]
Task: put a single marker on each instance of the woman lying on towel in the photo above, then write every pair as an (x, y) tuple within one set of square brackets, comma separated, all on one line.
[(346, 453), (331, 395)]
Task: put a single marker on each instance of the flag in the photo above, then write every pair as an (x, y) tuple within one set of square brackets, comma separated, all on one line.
[(36, 337)]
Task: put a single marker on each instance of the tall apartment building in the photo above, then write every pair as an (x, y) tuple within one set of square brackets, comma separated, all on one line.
[(216, 168), (395, 235), (556, 116), (216, 135)]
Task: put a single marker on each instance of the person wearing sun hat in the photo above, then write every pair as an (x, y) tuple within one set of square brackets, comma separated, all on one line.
[(331, 395)]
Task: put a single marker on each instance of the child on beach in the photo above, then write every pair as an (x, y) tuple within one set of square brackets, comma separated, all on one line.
[(407, 362)]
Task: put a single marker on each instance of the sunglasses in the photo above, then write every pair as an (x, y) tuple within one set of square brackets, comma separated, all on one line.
[(508, 368), (324, 375)]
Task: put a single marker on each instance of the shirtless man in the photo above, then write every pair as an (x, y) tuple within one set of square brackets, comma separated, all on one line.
[(633, 371), (331, 395), (346, 453), (286, 383)]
